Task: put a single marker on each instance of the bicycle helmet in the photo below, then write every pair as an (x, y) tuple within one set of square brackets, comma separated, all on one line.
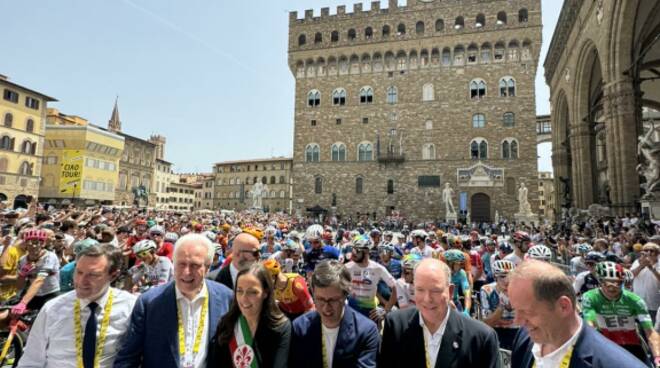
[(256, 232), (272, 267), (362, 242), (609, 271), (294, 235), (375, 232), (594, 256), (143, 246), (540, 252), (628, 276), (289, 244), (270, 232), (210, 235), (314, 232), (156, 230), (411, 260), (502, 267), (506, 247), (171, 237), (418, 233), (521, 236), (454, 255), (81, 245), (584, 248), (35, 234), (386, 247)]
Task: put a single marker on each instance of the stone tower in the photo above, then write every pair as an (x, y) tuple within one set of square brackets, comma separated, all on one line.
[(114, 124), (159, 141), (392, 103)]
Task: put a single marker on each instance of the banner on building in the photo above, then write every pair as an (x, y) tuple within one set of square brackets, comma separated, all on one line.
[(71, 172)]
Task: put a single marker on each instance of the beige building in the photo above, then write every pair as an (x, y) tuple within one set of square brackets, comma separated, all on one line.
[(136, 167), (182, 196), (234, 181), (164, 177), (23, 113), (392, 104), (547, 196), (602, 72)]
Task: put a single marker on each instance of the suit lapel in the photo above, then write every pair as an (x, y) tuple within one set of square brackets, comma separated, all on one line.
[(582, 351), (315, 334), (170, 320), (346, 334), (214, 312), (414, 341), (451, 341)]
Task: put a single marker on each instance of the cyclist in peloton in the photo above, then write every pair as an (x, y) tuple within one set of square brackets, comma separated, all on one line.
[(615, 312), (495, 307)]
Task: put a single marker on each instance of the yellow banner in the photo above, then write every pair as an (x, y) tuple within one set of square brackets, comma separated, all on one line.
[(71, 172)]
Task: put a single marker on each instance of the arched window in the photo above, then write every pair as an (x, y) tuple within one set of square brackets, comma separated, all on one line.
[(334, 36), (25, 169), (351, 34), (501, 18), (29, 125), (264, 180), (507, 87), (339, 97), (390, 186), (282, 180), (509, 119), (366, 95), (401, 29), (312, 153), (439, 25), (359, 183), (368, 33), (318, 185), (386, 31), (318, 37), (5, 143), (282, 194), (485, 53), (365, 152), (428, 92), (478, 121), (459, 23), (313, 98), (273, 180), (232, 181), (477, 89), (510, 149), (446, 56), (428, 151), (419, 28), (9, 120), (480, 21), (392, 95), (26, 147), (302, 40), (338, 152), (522, 16), (479, 149)]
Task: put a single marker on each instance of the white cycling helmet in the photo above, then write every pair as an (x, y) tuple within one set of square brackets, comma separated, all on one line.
[(502, 267), (144, 245), (314, 232), (540, 252)]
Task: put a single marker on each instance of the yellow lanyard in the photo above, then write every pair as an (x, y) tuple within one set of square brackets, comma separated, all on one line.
[(426, 351), (323, 352), (565, 362), (200, 328), (78, 331)]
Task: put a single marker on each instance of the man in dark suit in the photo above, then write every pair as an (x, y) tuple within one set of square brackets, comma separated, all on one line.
[(245, 251), (552, 332), (432, 334), (334, 335), (186, 308)]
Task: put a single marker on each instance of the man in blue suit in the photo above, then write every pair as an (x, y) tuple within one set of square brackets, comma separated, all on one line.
[(172, 325), (334, 335), (553, 334)]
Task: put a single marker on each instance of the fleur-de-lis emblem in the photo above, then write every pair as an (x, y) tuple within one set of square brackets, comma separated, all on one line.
[(243, 356)]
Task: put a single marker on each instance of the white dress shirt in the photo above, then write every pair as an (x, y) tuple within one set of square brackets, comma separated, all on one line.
[(553, 360), (52, 341), (432, 342), (191, 311)]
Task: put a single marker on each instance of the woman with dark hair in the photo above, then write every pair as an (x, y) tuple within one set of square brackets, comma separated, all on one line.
[(254, 329)]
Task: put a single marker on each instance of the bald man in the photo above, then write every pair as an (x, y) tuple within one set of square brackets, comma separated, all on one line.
[(553, 334), (432, 334), (245, 251)]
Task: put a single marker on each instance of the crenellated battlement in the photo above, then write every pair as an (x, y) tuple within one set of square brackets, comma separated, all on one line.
[(358, 10)]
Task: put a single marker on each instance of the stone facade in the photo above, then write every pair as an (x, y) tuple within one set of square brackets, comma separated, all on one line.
[(164, 177), (234, 181), (23, 114), (182, 196), (546, 196), (600, 69), (386, 110)]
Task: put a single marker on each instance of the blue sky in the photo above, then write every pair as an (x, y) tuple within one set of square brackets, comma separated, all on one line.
[(212, 76)]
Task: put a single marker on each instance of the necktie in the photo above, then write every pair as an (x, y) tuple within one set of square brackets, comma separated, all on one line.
[(89, 340)]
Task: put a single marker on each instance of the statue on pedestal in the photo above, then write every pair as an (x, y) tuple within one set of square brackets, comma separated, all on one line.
[(257, 194), (649, 150), (523, 203), (447, 195)]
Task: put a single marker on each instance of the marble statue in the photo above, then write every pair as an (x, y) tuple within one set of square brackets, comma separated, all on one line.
[(523, 202), (649, 150), (257, 194), (447, 195)]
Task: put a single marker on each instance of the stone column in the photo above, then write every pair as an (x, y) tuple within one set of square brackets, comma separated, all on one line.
[(583, 178), (622, 136)]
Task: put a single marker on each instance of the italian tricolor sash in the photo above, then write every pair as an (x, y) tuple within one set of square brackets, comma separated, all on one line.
[(240, 345)]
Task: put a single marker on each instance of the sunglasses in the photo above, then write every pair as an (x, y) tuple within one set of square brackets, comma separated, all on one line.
[(254, 253)]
